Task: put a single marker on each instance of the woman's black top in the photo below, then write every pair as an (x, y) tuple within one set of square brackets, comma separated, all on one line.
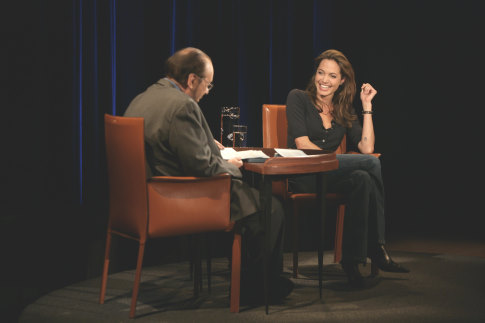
[(304, 120)]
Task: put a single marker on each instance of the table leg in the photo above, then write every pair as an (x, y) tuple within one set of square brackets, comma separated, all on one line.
[(322, 205), (266, 206)]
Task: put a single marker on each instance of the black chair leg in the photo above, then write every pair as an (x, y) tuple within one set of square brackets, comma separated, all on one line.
[(196, 264), (209, 261)]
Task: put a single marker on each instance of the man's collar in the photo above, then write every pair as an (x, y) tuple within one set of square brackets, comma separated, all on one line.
[(173, 83)]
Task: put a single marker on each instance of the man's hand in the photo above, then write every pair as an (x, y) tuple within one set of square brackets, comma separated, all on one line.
[(236, 161), (219, 144)]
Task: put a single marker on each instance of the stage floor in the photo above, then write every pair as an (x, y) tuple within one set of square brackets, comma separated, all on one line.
[(446, 284)]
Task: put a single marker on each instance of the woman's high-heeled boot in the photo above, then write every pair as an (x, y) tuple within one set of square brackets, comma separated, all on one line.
[(356, 280), (383, 261)]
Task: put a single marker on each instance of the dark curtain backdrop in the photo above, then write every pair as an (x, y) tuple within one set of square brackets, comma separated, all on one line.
[(66, 63)]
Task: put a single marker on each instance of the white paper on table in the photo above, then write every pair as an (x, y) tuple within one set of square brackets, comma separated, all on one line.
[(229, 153), (290, 152)]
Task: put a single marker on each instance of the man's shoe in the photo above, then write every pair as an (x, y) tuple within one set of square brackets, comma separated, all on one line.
[(356, 280), (252, 294), (384, 262), (280, 289)]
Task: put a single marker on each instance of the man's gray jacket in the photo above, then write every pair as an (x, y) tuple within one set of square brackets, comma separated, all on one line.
[(178, 142)]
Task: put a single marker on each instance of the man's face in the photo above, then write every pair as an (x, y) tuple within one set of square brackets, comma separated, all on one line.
[(203, 83)]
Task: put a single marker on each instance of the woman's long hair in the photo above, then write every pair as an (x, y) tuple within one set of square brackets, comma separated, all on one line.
[(344, 96)]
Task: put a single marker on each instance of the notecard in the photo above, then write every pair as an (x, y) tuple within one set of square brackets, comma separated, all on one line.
[(290, 152)]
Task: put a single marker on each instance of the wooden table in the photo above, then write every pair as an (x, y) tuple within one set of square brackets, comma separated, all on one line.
[(276, 168)]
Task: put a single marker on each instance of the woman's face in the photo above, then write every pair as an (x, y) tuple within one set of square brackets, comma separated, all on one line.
[(328, 78)]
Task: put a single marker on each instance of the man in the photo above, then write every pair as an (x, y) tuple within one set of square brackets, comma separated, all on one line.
[(179, 143)]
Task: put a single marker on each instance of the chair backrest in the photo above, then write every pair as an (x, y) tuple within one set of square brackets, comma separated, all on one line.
[(275, 127), (162, 205), (125, 156)]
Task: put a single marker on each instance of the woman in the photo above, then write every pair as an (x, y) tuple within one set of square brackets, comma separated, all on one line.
[(318, 118)]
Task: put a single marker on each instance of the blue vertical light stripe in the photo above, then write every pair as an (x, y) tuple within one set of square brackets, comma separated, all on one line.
[(75, 78), (173, 27), (79, 90), (270, 63), (113, 55)]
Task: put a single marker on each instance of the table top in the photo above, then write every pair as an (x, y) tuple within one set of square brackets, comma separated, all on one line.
[(317, 161)]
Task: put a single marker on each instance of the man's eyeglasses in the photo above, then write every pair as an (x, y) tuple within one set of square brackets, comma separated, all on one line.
[(209, 84)]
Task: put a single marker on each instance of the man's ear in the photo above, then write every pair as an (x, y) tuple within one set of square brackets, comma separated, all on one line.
[(191, 79)]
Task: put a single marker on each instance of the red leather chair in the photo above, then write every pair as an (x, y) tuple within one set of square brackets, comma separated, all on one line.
[(274, 136), (161, 206)]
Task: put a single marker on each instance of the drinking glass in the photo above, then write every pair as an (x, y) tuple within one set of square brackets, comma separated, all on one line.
[(229, 118), (240, 135)]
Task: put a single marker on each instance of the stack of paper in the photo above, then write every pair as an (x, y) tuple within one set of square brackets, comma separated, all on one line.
[(229, 153)]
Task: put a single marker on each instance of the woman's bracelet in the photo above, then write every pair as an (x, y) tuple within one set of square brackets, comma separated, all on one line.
[(367, 112)]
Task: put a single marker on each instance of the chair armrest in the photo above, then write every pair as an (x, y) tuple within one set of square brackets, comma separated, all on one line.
[(185, 204), (188, 179)]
